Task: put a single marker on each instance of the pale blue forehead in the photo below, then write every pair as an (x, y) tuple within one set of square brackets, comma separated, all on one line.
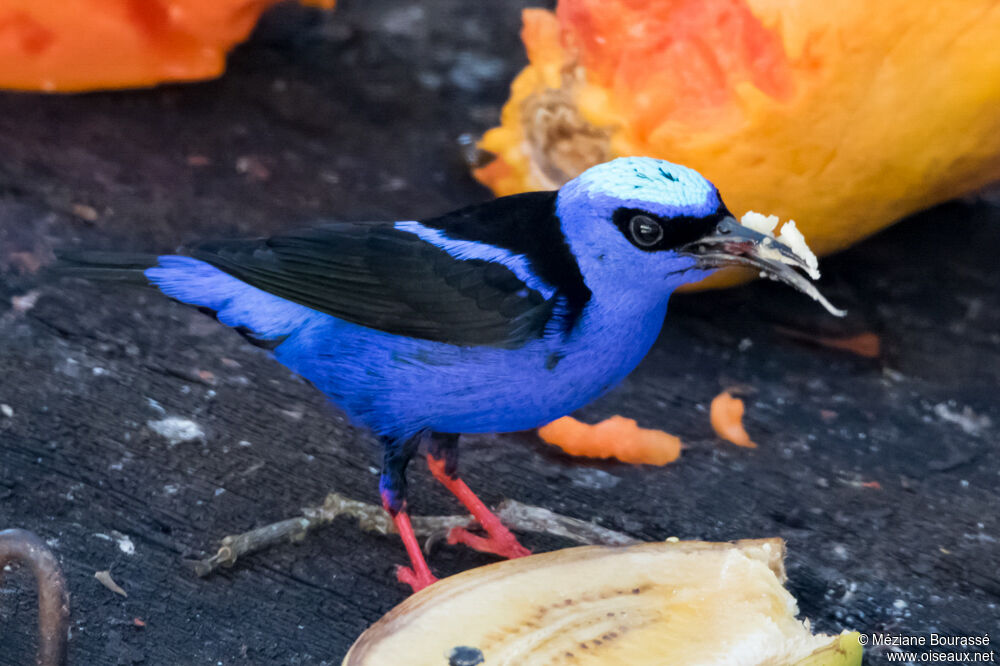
[(658, 186)]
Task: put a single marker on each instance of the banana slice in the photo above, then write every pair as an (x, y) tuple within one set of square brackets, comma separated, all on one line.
[(677, 602)]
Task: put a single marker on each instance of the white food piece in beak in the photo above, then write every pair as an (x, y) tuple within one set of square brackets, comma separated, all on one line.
[(763, 224), (796, 242), (790, 237)]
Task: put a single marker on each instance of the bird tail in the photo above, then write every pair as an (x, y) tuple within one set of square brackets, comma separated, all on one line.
[(264, 319), (96, 265)]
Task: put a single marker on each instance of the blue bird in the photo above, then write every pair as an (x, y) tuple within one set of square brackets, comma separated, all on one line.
[(498, 317)]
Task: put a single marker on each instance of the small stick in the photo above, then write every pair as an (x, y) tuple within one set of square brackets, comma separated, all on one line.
[(53, 600), (373, 518), (528, 518)]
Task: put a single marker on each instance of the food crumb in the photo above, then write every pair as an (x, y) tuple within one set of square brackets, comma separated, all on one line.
[(726, 416), (25, 302), (176, 429), (107, 581), (617, 437), (85, 212), (125, 544)]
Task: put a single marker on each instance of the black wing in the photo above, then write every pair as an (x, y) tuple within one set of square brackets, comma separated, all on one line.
[(388, 279)]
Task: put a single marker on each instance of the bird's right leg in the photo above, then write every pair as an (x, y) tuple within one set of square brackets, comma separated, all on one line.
[(442, 460), (392, 486)]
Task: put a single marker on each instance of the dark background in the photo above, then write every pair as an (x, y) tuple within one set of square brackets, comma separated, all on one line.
[(356, 115)]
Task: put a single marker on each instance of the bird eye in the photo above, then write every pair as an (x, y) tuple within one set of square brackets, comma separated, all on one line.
[(645, 231)]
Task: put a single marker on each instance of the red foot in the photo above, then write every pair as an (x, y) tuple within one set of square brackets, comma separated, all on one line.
[(499, 540), (420, 575), (416, 581), (503, 543)]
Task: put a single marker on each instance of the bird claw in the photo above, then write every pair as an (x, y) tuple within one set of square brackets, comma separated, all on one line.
[(502, 543), (417, 581), (499, 540)]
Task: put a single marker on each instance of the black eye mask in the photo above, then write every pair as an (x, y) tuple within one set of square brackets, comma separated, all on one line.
[(653, 233)]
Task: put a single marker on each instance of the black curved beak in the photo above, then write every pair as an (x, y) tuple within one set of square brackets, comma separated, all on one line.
[(732, 244)]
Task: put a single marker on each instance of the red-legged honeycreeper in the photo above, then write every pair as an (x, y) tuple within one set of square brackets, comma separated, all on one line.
[(498, 317)]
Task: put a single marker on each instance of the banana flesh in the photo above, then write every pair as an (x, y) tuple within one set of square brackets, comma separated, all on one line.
[(676, 602)]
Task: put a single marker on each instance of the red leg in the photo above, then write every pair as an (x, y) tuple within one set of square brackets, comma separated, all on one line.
[(419, 576), (500, 540)]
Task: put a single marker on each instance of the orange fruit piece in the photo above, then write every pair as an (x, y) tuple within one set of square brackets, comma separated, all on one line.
[(74, 45), (866, 344), (616, 437), (843, 116), (726, 415)]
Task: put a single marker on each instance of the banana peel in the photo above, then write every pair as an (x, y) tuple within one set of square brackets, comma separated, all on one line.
[(675, 602), (844, 117)]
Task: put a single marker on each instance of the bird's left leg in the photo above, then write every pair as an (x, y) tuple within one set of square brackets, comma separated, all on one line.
[(443, 462), (392, 486)]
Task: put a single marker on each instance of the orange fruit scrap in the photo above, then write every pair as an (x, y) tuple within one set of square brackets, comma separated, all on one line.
[(616, 437), (726, 415), (844, 117), (866, 344), (74, 45)]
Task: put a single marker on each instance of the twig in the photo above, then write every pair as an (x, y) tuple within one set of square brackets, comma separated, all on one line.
[(372, 518), (53, 600), (528, 518)]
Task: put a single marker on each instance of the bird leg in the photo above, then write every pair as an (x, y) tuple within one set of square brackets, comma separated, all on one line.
[(442, 461), (419, 575), (392, 486)]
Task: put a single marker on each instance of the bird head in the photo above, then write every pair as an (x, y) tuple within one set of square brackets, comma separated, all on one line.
[(639, 225)]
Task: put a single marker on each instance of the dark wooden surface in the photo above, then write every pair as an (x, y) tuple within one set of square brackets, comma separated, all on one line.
[(356, 115)]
